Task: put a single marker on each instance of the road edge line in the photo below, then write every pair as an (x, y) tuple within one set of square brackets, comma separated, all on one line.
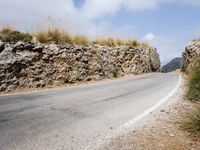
[(154, 107)]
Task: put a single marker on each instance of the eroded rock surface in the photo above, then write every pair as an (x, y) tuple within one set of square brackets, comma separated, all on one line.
[(32, 65), (191, 56)]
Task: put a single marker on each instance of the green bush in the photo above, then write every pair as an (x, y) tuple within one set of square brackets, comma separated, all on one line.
[(115, 74), (194, 85), (192, 121), (8, 35), (192, 118)]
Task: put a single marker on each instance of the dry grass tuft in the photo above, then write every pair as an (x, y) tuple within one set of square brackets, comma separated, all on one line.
[(58, 36), (41, 36), (145, 45), (116, 42), (81, 39), (53, 34), (196, 40)]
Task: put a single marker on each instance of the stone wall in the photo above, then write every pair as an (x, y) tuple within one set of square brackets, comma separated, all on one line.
[(33, 65), (191, 56)]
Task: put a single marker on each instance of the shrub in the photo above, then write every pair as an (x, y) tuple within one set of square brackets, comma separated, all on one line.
[(10, 35), (115, 74), (192, 121), (194, 84)]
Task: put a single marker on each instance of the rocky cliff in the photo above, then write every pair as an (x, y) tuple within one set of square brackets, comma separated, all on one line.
[(32, 65), (173, 65), (191, 56)]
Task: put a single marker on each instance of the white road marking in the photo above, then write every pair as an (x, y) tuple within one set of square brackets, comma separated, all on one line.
[(139, 117), (153, 108)]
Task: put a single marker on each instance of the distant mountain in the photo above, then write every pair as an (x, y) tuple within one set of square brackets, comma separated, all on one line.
[(173, 65)]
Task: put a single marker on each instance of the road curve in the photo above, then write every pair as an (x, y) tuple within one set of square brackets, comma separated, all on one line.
[(75, 117)]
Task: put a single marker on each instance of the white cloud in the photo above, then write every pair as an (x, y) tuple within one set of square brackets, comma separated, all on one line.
[(191, 2), (27, 13), (149, 37), (134, 5), (98, 8), (168, 46)]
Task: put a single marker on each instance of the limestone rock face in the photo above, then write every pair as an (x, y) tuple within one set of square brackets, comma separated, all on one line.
[(33, 65), (191, 56)]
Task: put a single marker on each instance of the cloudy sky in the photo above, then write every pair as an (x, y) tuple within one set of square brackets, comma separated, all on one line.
[(167, 24)]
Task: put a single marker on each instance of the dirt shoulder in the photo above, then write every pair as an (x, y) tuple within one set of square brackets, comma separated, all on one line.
[(162, 130)]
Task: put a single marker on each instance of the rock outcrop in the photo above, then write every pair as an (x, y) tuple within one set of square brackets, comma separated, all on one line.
[(173, 65), (32, 65), (191, 56)]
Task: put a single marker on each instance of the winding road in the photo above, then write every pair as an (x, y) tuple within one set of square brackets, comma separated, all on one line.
[(78, 116)]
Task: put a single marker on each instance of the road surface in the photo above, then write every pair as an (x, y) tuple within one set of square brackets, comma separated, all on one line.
[(76, 117)]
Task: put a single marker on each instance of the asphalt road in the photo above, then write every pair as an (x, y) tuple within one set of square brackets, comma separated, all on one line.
[(77, 117)]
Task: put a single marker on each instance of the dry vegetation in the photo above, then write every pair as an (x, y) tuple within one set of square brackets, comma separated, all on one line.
[(60, 36), (192, 119), (9, 34), (116, 42), (196, 40)]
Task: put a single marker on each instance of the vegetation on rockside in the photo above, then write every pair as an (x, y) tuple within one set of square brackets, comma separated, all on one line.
[(10, 35), (196, 40), (60, 36), (194, 84), (192, 119)]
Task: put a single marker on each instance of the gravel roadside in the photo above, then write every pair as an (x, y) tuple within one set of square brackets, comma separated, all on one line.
[(161, 131)]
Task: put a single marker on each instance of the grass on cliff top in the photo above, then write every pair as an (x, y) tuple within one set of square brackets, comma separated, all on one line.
[(9, 34), (196, 40), (115, 42), (53, 34), (60, 36)]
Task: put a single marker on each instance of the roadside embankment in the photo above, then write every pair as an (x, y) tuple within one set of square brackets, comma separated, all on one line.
[(31, 64)]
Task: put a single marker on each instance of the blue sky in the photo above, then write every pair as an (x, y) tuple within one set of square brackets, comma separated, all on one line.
[(167, 25)]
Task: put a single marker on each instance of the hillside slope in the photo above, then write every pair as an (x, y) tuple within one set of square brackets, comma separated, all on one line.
[(173, 65)]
